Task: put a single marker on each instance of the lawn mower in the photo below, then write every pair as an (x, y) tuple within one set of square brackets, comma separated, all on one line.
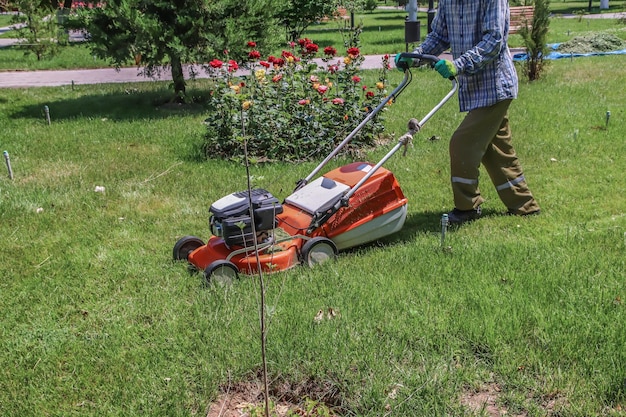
[(349, 206)]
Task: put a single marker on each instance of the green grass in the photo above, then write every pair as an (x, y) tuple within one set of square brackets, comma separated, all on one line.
[(74, 56), (5, 20), (97, 319)]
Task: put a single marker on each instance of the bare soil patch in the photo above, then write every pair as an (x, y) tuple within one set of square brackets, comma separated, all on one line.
[(485, 399), (246, 399)]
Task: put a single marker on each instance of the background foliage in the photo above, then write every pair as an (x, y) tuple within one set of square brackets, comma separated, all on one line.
[(175, 32)]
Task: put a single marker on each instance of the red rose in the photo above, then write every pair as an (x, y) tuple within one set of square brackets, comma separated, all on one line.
[(354, 51), (252, 44), (330, 51), (311, 48), (254, 54), (216, 63)]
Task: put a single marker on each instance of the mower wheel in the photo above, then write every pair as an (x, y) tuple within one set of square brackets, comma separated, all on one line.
[(222, 272), (185, 246), (318, 250)]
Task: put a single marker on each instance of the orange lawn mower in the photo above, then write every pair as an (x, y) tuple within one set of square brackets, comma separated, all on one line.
[(349, 206)]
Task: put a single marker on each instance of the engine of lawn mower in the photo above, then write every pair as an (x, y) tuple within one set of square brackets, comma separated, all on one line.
[(230, 217)]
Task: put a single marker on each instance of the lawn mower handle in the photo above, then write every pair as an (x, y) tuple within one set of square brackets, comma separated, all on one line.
[(432, 59), (396, 92), (321, 217), (403, 140)]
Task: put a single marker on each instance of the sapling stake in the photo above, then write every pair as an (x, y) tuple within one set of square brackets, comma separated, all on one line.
[(259, 270), (8, 162)]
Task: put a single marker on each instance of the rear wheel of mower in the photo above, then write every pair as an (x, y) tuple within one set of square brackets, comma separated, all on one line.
[(318, 250), (185, 246), (221, 272)]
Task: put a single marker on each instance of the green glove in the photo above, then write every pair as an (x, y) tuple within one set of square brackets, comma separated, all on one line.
[(445, 68), (403, 62)]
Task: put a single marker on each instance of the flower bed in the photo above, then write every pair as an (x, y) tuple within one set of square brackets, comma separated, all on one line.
[(288, 107)]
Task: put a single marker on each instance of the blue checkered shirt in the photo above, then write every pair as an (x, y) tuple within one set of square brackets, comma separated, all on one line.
[(476, 31)]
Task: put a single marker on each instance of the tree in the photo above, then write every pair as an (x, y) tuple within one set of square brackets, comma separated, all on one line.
[(41, 33), (161, 34), (297, 15), (535, 38)]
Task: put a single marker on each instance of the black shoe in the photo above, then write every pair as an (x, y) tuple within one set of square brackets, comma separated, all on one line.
[(457, 216)]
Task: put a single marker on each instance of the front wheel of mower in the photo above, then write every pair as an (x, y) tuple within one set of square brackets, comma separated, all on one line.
[(185, 246), (221, 272), (318, 250)]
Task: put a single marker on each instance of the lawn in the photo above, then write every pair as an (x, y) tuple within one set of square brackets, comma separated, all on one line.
[(98, 320)]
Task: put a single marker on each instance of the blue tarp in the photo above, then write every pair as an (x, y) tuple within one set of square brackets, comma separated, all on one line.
[(558, 55)]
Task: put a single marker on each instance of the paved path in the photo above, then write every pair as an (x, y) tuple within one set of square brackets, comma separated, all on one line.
[(110, 75)]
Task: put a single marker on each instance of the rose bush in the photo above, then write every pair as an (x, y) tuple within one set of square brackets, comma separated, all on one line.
[(290, 108)]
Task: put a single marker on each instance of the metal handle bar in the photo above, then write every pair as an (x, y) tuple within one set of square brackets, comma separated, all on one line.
[(401, 142), (396, 91), (421, 57), (407, 79), (321, 217)]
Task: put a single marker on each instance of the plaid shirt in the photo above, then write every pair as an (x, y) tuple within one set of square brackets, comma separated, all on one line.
[(476, 31)]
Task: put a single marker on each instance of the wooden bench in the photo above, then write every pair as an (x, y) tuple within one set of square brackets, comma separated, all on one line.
[(520, 17)]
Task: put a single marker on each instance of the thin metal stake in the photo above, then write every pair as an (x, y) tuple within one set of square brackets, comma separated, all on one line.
[(608, 116), (47, 111), (8, 161), (444, 227)]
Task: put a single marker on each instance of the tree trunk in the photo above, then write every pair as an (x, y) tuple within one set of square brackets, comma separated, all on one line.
[(179, 79), (67, 4)]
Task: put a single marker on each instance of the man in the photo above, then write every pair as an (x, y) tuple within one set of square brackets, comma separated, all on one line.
[(476, 31)]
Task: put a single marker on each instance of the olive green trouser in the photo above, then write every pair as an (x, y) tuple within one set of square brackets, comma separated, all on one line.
[(484, 136)]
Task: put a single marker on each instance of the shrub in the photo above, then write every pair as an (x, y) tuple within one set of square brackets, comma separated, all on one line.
[(535, 38), (291, 108)]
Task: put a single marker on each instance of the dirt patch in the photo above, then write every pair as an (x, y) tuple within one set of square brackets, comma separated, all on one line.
[(485, 400), (307, 398), (244, 399)]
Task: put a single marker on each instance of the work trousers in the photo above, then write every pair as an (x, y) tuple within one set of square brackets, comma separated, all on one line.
[(484, 136)]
